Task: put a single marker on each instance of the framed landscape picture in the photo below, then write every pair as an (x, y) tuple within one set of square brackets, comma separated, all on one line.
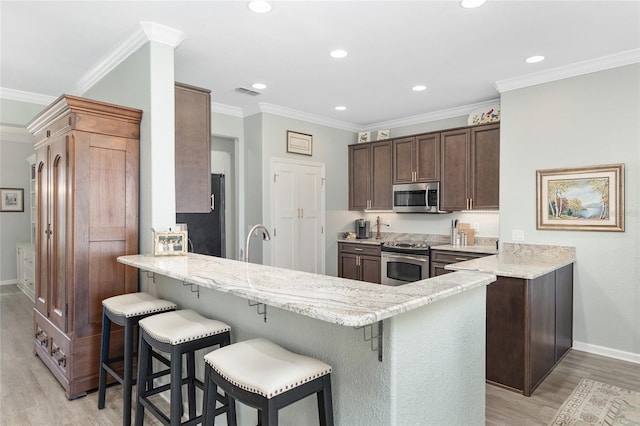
[(581, 199), (12, 199)]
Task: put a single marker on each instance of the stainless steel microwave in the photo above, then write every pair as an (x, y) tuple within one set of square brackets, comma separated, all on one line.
[(417, 198)]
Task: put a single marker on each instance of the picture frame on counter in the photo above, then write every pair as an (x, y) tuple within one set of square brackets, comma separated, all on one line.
[(12, 199), (581, 199), (299, 143), (172, 243)]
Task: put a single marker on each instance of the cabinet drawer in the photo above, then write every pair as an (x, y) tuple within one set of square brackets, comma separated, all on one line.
[(453, 257), (363, 249)]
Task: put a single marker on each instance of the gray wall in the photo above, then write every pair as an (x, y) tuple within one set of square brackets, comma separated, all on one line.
[(582, 121), (14, 226)]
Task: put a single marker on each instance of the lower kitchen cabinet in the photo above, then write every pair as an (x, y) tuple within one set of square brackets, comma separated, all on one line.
[(441, 258), (529, 328), (358, 261)]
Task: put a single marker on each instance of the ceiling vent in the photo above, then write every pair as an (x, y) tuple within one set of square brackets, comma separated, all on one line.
[(245, 91)]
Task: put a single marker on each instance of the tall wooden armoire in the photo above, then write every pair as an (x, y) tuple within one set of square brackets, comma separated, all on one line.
[(87, 181)]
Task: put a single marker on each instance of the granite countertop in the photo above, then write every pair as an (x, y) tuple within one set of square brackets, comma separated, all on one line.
[(332, 299), (525, 261), (373, 241)]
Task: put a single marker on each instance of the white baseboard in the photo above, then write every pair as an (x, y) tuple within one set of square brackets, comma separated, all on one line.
[(604, 351), (9, 282)]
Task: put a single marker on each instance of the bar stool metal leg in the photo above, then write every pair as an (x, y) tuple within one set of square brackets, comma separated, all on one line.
[(104, 356)]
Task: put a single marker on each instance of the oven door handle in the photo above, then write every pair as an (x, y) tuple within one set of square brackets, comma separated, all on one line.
[(404, 256)]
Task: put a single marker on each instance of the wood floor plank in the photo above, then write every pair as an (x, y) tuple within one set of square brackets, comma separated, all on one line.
[(30, 395)]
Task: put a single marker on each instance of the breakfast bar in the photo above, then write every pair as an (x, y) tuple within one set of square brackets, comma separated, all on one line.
[(407, 355)]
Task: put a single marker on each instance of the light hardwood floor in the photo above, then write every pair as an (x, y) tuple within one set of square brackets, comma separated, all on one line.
[(30, 395)]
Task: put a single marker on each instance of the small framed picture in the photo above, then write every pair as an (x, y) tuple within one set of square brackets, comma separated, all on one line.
[(12, 199), (364, 137), (170, 243), (383, 134), (299, 143)]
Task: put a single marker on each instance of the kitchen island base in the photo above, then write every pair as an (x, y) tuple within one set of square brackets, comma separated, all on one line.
[(432, 370)]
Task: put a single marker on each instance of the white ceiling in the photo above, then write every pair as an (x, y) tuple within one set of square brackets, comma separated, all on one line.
[(461, 55)]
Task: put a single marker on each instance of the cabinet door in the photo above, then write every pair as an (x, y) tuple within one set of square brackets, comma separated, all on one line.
[(348, 266), (59, 232), (370, 269), (427, 157), (41, 291), (381, 172), (485, 167), (192, 149), (403, 160), (454, 170), (359, 172)]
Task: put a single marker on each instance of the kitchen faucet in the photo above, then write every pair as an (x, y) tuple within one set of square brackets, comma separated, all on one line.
[(265, 237)]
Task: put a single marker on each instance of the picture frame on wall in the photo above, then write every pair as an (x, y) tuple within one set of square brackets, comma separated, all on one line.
[(172, 243), (299, 143), (581, 199), (12, 199)]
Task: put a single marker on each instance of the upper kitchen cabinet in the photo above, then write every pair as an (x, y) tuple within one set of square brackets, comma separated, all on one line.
[(192, 149), (370, 176), (470, 168), (416, 159)]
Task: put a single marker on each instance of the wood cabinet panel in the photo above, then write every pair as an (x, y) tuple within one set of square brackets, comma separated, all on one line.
[(403, 160), (416, 159), (485, 167), (542, 306), (192, 149), (360, 262), (87, 192), (454, 170), (440, 258), (564, 311), (370, 176)]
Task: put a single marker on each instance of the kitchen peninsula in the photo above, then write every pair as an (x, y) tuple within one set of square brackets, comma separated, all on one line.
[(432, 368), (529, 312)]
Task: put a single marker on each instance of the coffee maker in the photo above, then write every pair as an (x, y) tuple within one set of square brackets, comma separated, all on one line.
[(362, 229)]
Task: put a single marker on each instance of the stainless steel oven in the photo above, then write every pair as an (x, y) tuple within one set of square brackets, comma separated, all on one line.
[(404, 263)]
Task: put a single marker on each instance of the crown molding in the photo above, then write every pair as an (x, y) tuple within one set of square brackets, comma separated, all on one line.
[(227, 110), (573, 70), (16, 134), (304, 116), (148, 31), (431, 116), (28, 97)]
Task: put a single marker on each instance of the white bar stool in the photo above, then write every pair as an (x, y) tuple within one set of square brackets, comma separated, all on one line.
[(265, 376), (125, 310), (177, 333)]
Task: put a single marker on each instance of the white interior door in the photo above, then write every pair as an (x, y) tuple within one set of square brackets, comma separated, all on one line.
[(298, 213)]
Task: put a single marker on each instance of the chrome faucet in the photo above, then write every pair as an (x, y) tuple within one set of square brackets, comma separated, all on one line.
[(265, 237)]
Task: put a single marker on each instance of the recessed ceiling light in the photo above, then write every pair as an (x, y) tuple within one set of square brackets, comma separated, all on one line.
[(419, 88), (259, 86), (470, 4), (534, 59), (339, 53), (259, 6), (340, 108)]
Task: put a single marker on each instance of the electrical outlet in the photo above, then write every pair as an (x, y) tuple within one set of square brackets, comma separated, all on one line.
[(517, 235)]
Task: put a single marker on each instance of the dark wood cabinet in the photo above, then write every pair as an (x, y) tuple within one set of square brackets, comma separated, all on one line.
[(370, 176), (470, 168), (192, 149), (87, 174), (416, 159), (529, 328), (485, 168), (440, 258), (358, 261)]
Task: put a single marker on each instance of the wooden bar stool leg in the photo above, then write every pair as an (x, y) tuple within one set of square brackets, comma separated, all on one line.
[(191, 383), (128, 372), (325, 403), (143, 364), (104, 356), (176, 387)]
